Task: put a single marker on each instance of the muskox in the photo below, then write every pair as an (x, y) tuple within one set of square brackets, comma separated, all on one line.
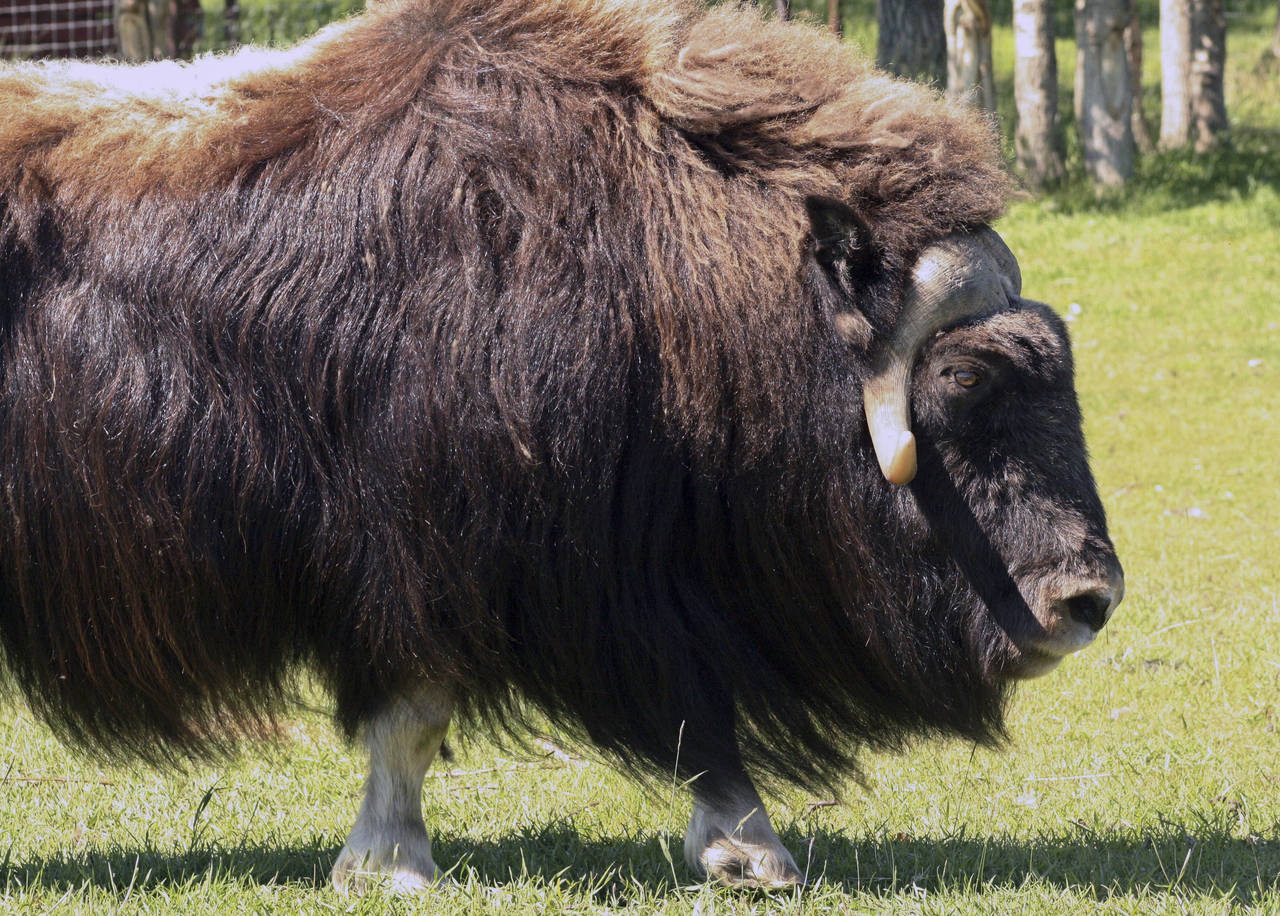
[(650, 370)]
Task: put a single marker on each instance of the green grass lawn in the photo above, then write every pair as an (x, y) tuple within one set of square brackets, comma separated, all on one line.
[(1144, 776)]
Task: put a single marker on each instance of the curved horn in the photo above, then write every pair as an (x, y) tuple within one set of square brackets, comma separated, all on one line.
[(966, 273)]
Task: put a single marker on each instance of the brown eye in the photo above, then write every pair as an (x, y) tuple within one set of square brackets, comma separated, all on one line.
[(966, 378)]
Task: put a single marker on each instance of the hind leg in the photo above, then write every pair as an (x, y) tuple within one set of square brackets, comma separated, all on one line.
[(389, 841)]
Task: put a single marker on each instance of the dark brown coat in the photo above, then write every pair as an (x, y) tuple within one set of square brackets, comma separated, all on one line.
[(474, 341)]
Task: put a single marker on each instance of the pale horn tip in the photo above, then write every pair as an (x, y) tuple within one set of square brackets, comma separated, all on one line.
[(900, 468)]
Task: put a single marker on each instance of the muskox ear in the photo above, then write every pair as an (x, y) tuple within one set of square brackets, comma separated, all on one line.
[(840, 237), (842, 249)]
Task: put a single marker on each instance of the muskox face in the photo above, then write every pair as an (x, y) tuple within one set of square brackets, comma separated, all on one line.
[(970, 403), (1004, 483)]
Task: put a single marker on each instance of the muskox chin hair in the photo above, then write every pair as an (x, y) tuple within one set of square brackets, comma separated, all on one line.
[(471, 343)]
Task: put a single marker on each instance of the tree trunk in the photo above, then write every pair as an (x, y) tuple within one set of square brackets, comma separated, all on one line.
[(967, 24), (156, 29), (1104, 96), (186, 25), (1133, 46), (1275, 36), (1175, 73), (231, 22), (911, 41), (835, 16), (161, 34), (784, 9), (133, 30), (1208, 62), (1038, 140)]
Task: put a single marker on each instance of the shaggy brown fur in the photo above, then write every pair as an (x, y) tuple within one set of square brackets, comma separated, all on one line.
[(705, 131), (475, 341)]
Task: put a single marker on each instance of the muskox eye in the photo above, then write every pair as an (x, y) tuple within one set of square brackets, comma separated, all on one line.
[(966, 378)]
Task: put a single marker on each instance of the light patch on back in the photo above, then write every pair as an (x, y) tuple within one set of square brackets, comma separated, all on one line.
[(196, 84), (89, 129)]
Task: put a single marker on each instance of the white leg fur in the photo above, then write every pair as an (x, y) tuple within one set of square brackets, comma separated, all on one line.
[(730, 840), (389, 841)]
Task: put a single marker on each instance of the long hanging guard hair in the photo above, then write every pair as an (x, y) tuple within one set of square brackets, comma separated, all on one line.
[(471, 341)]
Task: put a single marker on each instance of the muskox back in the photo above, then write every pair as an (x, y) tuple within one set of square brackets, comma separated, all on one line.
[(470, 343)]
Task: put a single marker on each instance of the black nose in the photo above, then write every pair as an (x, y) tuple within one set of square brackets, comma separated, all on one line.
[(1091, 607)]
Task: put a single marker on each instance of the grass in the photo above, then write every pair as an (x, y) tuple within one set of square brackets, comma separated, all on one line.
[(1144, 776)]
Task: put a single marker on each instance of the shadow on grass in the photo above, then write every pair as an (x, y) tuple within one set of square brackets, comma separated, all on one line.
[(1210, 861), (1098, 865), (1176, 180), (145, 867), (1163, 181)]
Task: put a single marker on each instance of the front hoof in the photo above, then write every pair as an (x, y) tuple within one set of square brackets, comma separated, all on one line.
[(739, 864), (397, 871)]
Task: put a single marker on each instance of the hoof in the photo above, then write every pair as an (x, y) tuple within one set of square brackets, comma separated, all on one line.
[(740, 864), (398, 870), (731, 841)]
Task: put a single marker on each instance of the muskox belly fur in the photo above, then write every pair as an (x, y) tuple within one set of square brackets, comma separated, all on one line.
[(492, 357)]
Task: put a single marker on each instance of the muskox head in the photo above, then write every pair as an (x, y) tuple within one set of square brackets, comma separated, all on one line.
[(970, 406)]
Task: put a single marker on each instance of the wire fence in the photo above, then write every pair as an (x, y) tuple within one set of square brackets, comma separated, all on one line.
[(57, 28), (146, 29)]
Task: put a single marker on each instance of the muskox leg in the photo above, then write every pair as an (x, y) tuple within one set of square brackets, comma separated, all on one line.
[(730, 839), (389, 841)]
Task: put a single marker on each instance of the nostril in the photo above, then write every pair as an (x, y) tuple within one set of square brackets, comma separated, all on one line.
[(1090, 608)]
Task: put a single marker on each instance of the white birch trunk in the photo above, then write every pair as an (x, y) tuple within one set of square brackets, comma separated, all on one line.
[(1104, 95), (133, 30), (1175, 72), (1275, 36), (158, 14), (969, 71), (1038, 138)]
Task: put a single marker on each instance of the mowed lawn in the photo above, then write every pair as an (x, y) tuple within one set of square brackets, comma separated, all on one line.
[(1143, 776)]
